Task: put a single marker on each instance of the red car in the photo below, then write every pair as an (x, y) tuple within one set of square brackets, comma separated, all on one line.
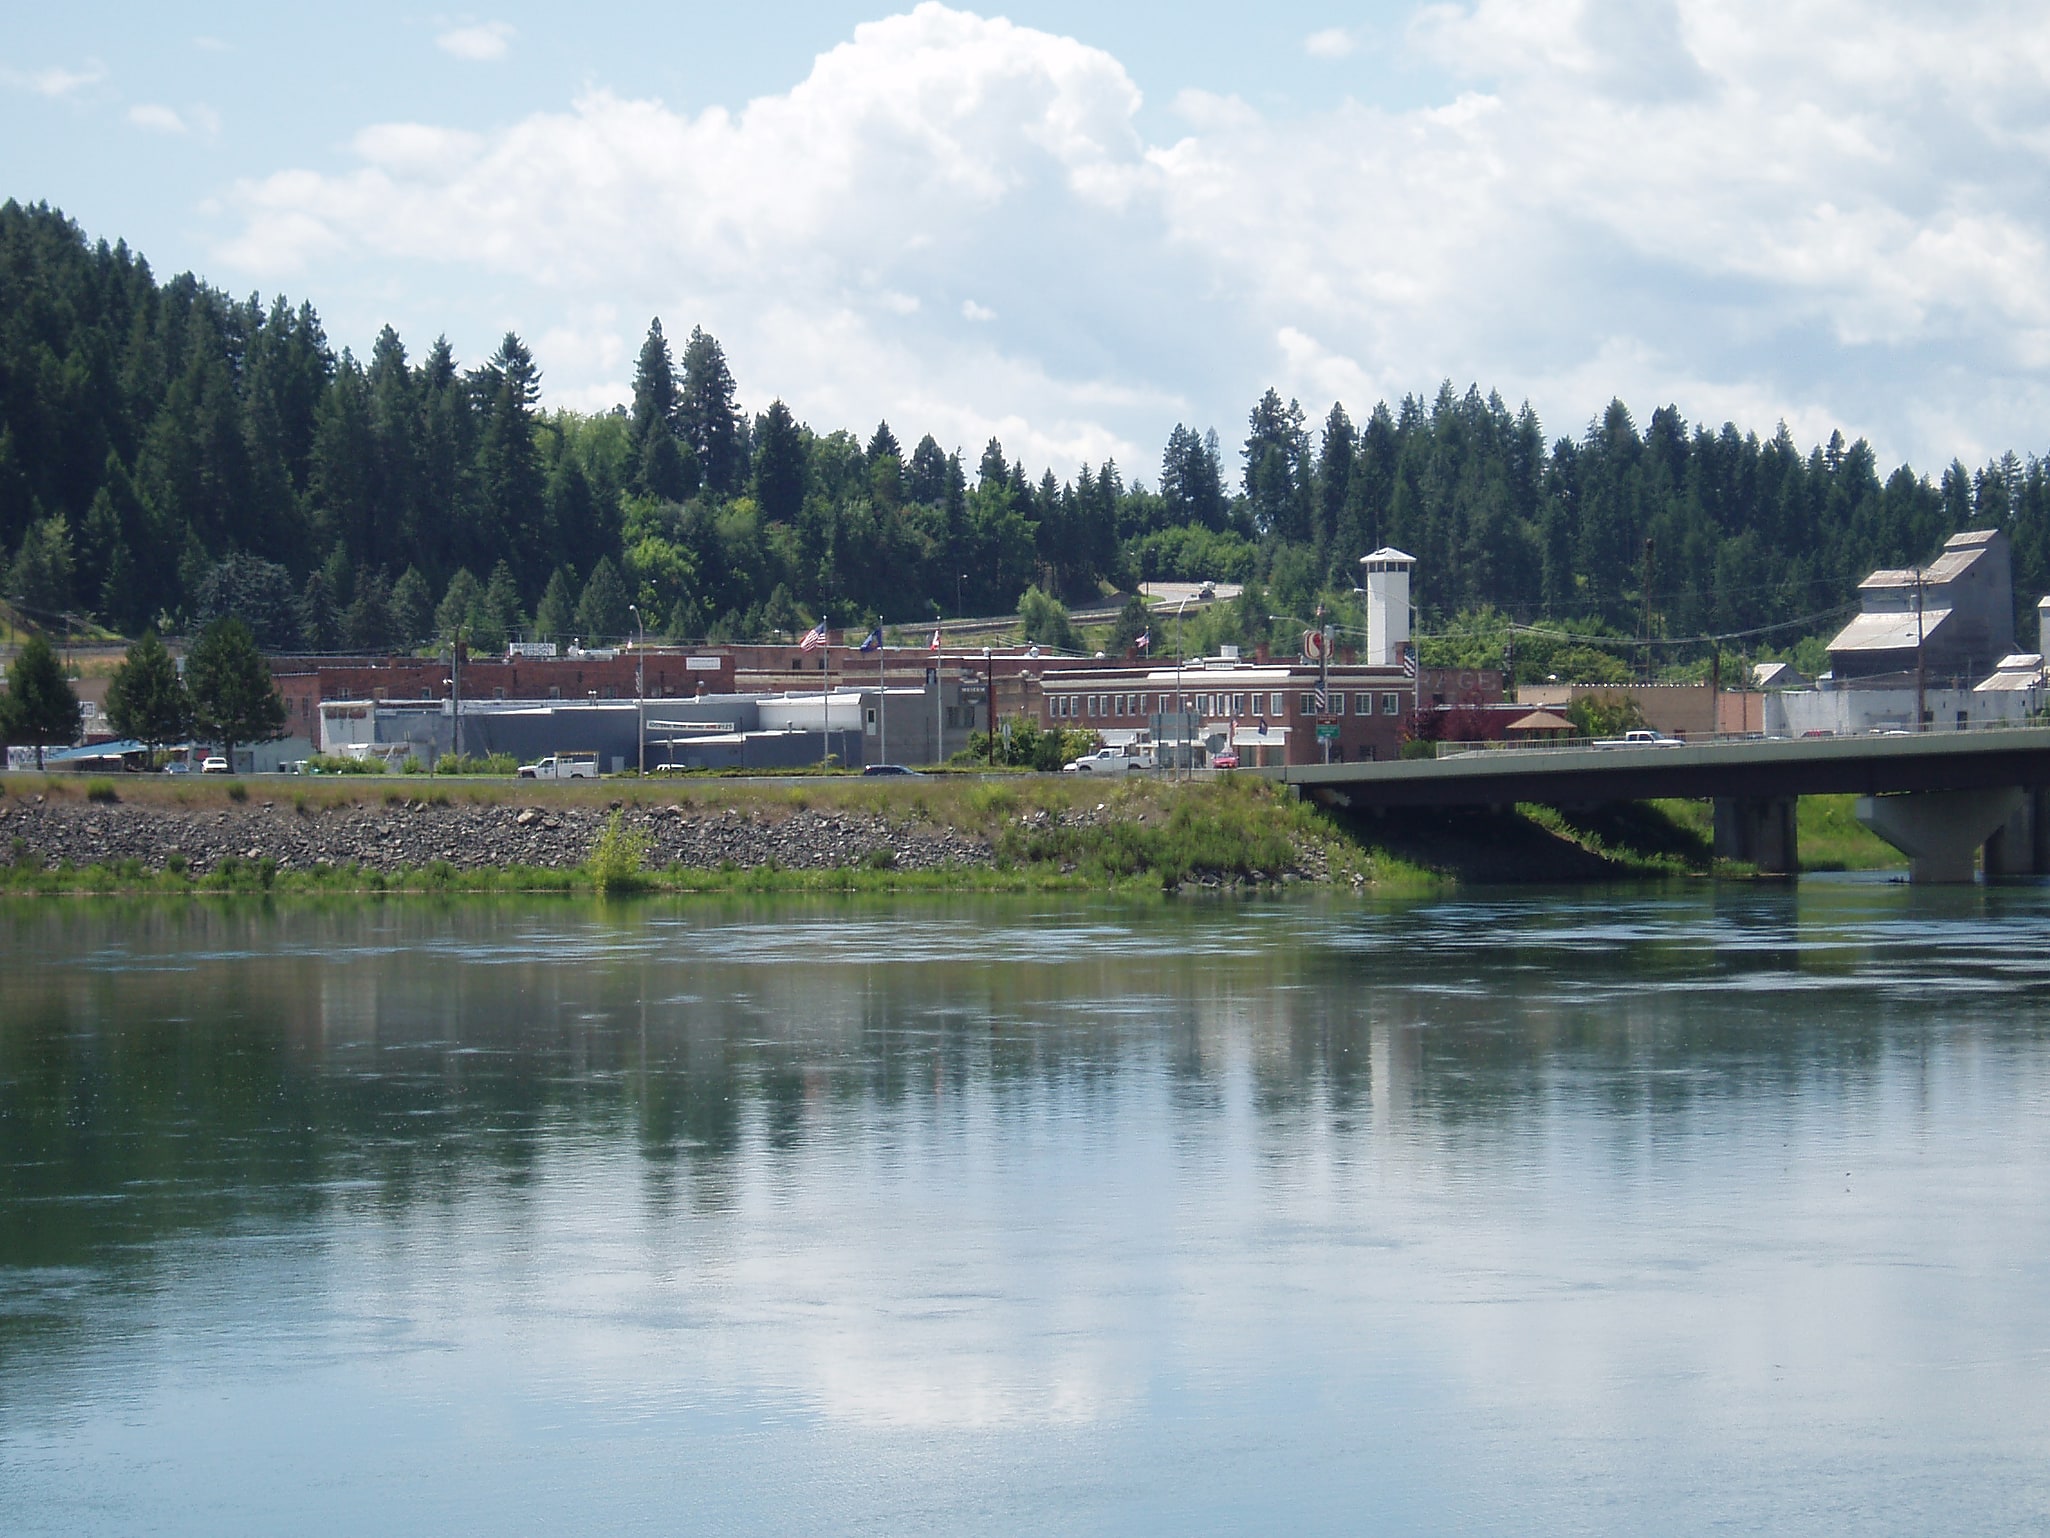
[(1225, 760)]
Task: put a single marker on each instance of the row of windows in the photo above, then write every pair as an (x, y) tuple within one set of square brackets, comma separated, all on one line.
[(1112, 706)]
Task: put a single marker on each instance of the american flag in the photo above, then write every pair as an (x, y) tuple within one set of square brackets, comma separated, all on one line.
[(1323, 701), (814, 638), (934, 644), (1145, 639), (1409, 662)]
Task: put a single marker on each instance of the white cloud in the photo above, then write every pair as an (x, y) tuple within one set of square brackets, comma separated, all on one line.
[(1743, 207), (480, 43), (57, 81), (160, 120), (1330, 43), (156, 118)]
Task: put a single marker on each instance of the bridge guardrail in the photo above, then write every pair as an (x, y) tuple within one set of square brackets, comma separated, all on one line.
[(1443, 750)]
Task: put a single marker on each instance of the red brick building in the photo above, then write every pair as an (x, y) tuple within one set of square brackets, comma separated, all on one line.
[(1267, 711)]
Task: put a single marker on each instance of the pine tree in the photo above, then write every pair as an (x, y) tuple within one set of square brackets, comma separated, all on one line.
[(779, 465), (655, 394), (465, 593), (40, 579), (556, 612), (146, 699), (499, 618), (602, 612), (706, 416), (39, 709), (367, 624), (412, 608), (233, 698)]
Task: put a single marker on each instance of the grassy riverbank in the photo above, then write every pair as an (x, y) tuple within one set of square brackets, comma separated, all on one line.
[(63, 834), (936, 834)]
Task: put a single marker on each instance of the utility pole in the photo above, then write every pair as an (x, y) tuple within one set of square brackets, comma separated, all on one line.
[(1647, 611), (455, 691), (1921, 669), (640, 693)]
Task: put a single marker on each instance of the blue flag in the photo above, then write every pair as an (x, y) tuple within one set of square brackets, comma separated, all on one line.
[(874, 643)]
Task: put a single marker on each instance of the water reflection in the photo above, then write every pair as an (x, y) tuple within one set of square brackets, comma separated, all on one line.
[(957, 1213)]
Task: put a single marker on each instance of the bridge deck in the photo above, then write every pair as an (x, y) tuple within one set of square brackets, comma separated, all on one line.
[(1587, 775)]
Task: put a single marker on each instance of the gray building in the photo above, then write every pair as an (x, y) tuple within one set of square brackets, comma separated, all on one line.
[(1954, 618)]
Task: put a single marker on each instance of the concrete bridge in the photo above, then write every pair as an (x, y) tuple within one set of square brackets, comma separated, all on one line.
[(1937, 797)]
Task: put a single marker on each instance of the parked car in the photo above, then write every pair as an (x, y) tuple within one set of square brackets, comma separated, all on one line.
[(880, 769), (214, 765), (1225, 760)]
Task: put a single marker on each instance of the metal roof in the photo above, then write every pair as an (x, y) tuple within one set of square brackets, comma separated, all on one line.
[(1891, 632)]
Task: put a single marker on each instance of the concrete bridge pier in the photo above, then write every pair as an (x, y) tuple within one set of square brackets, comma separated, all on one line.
[(1939, 830), (2021, 845), (1759, 830)]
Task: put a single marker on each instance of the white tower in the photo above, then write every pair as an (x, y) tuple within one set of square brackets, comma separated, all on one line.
[(1387, 605)]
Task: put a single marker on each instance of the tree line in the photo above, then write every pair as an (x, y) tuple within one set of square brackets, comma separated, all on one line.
[(170, 455)]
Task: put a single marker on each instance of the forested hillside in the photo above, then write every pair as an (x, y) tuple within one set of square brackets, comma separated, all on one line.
[(168, 452)]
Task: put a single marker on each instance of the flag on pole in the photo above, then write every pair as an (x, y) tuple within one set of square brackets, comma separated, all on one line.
[(934, 644), (1323, 700), (1408, 660), (874, 643), (814, 638), (1144, 641)]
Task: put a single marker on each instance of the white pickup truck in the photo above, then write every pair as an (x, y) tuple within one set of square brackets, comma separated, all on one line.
[(1640, 739), (562, 766), (1103, 761)]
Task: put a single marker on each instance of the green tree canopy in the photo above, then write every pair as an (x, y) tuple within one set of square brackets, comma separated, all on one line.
[(41, 576), (1045, 621), (40, 709), (556, 612), (146, 699), (233, 698)]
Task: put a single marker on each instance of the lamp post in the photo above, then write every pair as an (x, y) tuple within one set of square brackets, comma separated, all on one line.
[(640, 693), (1182, 748), (960, 582), (1921, 670)]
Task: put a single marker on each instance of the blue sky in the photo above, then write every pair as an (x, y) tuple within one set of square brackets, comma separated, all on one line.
[(1073, 226)]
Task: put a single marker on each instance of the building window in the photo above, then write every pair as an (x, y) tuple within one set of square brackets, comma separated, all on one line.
[(1306, 705), (498, 692), (555, 691), (1338, 704), (1363, 704), (1238, 704), (1273, 704), (1391, 704)]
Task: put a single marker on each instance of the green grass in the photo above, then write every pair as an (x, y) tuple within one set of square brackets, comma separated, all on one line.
[(1832, 838)]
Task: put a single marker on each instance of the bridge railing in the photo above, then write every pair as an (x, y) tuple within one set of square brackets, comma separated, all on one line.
[(1584, 744)]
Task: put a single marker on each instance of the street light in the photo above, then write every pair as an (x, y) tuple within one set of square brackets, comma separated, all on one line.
[(640, 693), (1181, 716), (958, 583)]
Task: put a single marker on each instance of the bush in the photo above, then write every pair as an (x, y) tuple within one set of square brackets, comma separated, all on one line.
[(101, 790), (323, 763), (237, 791), (472, 763), (617, 859)]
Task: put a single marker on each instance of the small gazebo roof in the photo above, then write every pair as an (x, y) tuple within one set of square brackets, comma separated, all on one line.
[(1541, 721)]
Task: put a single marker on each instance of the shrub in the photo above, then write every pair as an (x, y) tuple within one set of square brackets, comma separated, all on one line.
[(323, 763), (617, 859), (237, 791), (101, 790)]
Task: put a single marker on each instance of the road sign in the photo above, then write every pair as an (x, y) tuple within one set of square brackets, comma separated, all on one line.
[(1327, 731), (1177, 726)]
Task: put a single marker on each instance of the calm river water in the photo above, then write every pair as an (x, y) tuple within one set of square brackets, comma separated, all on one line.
[(1689, 1210)]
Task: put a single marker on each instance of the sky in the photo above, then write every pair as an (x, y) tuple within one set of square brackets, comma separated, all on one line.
[(1074, 226)]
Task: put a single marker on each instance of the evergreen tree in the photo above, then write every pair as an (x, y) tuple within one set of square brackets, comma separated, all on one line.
[(706, 416), (367, 625), (602, 611), (1134, 620), (256, 591), (40, 579), (146, 699), (498, 618), (926, 481), (39, 709), (320, 619), (510, 484), (556, 613), (780, 469), (412, 609), (464, 596), (233, 698), (654, 390)]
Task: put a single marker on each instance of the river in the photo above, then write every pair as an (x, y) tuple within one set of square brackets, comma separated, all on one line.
[(1691, 1209)]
